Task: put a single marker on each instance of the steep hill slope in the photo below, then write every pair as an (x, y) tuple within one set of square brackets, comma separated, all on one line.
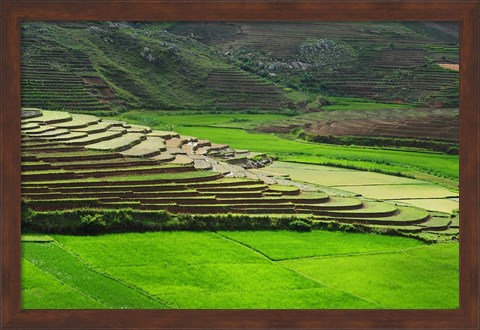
[(250, 66), (390, 61), (112, 66)]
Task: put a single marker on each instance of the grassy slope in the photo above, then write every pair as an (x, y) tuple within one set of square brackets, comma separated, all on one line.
[(208, 270), (60, 265), (115, 56)]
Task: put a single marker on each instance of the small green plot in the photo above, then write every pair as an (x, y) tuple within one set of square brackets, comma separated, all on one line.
[(250, 286), (372, 208), (422, 278), (406, 215), (436, 223), (74, 272), (37, 238), (41, 290), (402, 191), (150, 248), (323, 175), (279, 245), (432, 204)]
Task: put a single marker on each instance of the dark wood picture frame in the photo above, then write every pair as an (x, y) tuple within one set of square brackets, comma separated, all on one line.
[(13, 12)]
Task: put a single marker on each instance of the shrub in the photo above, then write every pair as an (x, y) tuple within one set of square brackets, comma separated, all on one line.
[(26, 214), (120, 219), (92, 224), (299, 225)]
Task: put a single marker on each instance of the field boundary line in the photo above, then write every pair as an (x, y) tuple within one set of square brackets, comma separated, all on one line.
[(343, 255), (247, 246), (299, 273), (75, 288), (111, 277), (331, 287)]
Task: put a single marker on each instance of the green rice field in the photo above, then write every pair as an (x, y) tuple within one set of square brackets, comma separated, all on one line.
[(261, 270), (372, 185)]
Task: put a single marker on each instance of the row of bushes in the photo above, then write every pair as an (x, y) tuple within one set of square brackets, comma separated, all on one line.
[(92, 221), (95, 222)]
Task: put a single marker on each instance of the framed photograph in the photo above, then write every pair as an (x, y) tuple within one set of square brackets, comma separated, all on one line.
[(227, 164)]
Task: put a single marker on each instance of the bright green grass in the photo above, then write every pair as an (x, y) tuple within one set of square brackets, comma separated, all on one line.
[(280, 245), (67, 268), (37, 238), (426, 277), (170, 121), (204, 270), (352, 103), (41, 290), (209, 270)]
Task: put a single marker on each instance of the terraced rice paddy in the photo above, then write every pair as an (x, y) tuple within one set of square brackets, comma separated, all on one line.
[(262, 269), (93, 176), (373, 185)]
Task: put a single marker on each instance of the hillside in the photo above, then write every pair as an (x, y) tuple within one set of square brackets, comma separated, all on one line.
[(265, 66), (395, 62)]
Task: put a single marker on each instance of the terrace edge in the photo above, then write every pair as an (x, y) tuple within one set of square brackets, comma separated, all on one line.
[(14, 12)]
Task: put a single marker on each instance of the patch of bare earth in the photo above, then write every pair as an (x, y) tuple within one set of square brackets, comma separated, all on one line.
[(449, 66)]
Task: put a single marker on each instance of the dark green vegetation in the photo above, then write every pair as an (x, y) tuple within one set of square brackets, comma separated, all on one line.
[(239, 270)]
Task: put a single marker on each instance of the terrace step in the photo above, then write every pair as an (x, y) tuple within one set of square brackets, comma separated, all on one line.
[(120, 143), (150, 147), (49, 117), (96, 138), (405, 216)]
